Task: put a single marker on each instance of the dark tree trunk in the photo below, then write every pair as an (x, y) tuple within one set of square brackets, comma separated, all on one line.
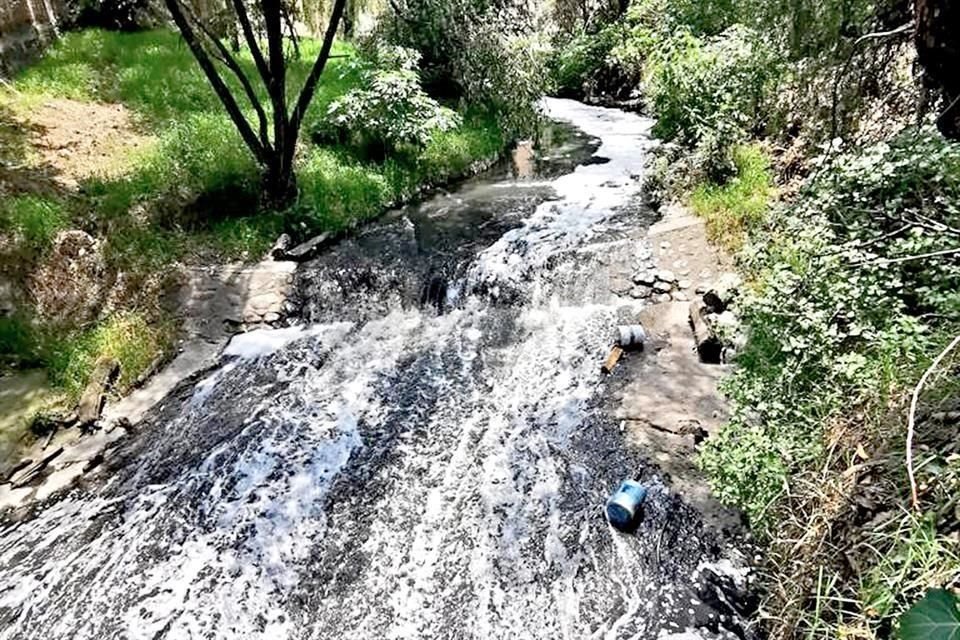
[(276, 156), (350, 19), (937, 39)]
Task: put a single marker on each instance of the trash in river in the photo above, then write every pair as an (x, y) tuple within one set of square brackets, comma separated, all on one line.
[(623, 507), (612, 359), (631, 336)]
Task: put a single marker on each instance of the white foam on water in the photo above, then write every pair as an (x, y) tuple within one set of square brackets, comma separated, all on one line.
[(587, 197)]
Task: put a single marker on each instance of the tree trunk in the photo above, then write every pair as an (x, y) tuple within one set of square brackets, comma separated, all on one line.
[(280, 185), (937, 38)]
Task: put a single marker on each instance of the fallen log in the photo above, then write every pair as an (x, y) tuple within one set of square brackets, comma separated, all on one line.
[(709, 346), (94, 395)]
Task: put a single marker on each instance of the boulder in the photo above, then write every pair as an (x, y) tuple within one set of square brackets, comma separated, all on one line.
[(661, 286), (647, 278), (665, 275)]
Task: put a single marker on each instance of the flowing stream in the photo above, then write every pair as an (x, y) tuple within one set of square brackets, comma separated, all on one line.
[(425, 456)]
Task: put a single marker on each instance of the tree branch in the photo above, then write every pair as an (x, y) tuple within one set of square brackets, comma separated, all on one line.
[(244, 19), (902, 29), (310, 86), (219, 86), (911, 420), (231, 63), (921, 256)]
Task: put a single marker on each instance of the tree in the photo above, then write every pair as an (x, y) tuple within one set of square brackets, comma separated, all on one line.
[(273, 20), (938, 50)]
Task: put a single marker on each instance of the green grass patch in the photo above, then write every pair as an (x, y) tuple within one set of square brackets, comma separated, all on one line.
[(154, 73), (127, 337), (732, 209), (33, 220)]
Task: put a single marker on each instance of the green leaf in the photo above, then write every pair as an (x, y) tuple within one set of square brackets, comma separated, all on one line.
[(935, 617)]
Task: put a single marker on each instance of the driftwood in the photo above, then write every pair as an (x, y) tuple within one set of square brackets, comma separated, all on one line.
[(615, 354), (28, 474), (95, 393), (305, 251)]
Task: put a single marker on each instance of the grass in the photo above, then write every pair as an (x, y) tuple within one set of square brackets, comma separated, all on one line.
[(34, 220), (733, 208)]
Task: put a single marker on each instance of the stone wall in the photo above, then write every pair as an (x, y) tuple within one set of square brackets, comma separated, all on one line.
[(26, 26)]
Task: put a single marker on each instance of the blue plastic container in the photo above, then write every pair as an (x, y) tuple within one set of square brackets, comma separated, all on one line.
[(623, 507)]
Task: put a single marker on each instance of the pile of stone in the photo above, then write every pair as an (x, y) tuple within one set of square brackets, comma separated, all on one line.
[(660, 285)]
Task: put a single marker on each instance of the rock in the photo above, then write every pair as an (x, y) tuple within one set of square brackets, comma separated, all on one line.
[(662, 287), (665, 275), (641, 292), (280, 247), (722, 293), (620, 285), (271, 317), (701, 289), (95, 394), (684, 284), (307, 250), (664, 297), (645, 277), (680, 296)]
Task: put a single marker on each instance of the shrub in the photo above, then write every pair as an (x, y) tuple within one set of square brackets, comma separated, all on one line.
[(482, 51), (576, 67), (835, 320), (389, 111), (722, 83)]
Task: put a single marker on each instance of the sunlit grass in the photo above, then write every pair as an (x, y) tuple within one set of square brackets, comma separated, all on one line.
[(733, 208)]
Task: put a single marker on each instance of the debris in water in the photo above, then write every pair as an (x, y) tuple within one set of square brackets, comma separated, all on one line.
[(623, 507), (631, 336), (612, 359)]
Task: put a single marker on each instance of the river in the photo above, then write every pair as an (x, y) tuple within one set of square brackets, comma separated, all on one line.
[(425, 456)]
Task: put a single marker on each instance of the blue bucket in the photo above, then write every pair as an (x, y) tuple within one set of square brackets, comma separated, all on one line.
[(623, 507)]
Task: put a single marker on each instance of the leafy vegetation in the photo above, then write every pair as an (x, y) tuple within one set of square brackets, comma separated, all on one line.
[(936, 617), (389, 112), (35, 220), (739, 204)]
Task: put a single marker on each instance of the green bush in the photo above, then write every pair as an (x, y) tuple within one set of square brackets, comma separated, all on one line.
[(575, 65), (485, 52), (832, 323), (723, 83), (389, 112)]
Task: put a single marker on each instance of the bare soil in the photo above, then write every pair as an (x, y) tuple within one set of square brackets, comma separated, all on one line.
[(79, 140)]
